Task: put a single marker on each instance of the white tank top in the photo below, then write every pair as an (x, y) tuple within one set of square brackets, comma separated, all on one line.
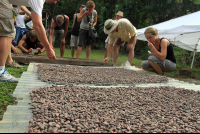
[(20, 21)]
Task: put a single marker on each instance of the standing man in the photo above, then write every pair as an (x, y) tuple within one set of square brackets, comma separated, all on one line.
[(8, 34), (59, 27), (75, 32), (123, 31)]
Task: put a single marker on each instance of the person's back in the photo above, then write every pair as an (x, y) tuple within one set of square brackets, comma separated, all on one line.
[(20, 21), (76, 27)]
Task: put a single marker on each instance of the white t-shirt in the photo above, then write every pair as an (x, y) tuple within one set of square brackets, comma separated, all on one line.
[(36, 5), (20, 21)]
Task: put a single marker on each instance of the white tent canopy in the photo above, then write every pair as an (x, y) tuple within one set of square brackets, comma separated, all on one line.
[(183, 32)]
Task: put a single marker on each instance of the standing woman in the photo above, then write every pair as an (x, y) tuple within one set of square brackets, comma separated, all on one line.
[(161, 57), (84, 27), (75, 31)]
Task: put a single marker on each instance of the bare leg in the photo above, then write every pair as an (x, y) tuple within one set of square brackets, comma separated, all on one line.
[(157, 68), (151, 70), (88, 49), (9, 59), (5, 47), (62, 49), (105, 54), (79, 49), (72, 51), (115, 54), (131, 56)]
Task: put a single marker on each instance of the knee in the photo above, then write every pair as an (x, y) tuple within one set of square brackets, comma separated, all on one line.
[(152, 59), (131, 50), (143, 64), (62, 44)]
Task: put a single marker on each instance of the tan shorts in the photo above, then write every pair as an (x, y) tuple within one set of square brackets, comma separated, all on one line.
[(7, 28), (121, 43)]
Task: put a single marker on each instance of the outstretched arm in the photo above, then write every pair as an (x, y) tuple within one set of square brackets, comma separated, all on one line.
[(66, 26), (41, 34), (20, 44), (53, 25)]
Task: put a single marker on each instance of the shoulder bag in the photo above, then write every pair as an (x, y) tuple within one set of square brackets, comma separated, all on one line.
[(92, 31)]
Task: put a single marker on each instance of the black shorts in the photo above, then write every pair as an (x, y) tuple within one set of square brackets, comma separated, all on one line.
[(83, 35)]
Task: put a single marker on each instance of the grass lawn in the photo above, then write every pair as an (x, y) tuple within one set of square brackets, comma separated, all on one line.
[(6, 89)]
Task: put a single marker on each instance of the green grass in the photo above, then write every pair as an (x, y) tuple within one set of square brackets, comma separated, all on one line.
[(6, 89)]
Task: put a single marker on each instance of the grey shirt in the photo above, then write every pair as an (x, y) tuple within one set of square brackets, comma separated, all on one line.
[(84, 23)]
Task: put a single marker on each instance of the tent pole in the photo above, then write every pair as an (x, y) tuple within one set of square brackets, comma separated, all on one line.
[(194, 53), (193, 58)]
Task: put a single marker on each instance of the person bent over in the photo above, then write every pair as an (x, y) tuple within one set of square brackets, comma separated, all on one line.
[(59, 28), (123, 31), (30, 42), (161, 57)]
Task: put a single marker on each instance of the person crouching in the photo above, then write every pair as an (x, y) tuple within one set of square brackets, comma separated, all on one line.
[(30, 43)]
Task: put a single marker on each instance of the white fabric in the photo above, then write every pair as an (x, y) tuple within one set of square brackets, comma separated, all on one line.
[(183, 32), (36, 5), (30, 24), (20, 21)]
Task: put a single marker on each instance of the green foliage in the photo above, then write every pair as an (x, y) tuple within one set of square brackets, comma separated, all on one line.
[(141, 13)]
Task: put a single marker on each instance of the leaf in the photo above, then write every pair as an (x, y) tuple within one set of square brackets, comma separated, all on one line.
[(195, 1)]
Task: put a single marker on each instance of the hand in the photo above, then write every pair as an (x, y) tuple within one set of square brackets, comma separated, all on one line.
[(51, 54), (17, 51), (63, 41), (129, 46), (106, 59), (39, 50), (151, 53), (52, 1), (150, 45), (86, 12), (30, 50)]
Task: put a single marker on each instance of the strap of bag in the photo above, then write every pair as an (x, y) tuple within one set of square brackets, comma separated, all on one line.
[(88, 20)]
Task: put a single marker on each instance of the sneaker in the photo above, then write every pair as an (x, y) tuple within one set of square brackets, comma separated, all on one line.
[(14, 64), (6, 77)]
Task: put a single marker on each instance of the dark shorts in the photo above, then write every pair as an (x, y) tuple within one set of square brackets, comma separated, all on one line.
[(83, 35)]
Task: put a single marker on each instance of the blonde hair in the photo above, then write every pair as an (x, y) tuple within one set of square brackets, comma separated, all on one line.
[(32, 34), (60, 19), (90, 4), (151, 30)]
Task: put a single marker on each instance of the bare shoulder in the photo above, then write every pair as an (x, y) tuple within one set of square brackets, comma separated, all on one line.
[(66, 17), (165, 42)]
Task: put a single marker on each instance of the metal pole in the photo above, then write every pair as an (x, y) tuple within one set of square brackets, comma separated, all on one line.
[(194, 53)]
